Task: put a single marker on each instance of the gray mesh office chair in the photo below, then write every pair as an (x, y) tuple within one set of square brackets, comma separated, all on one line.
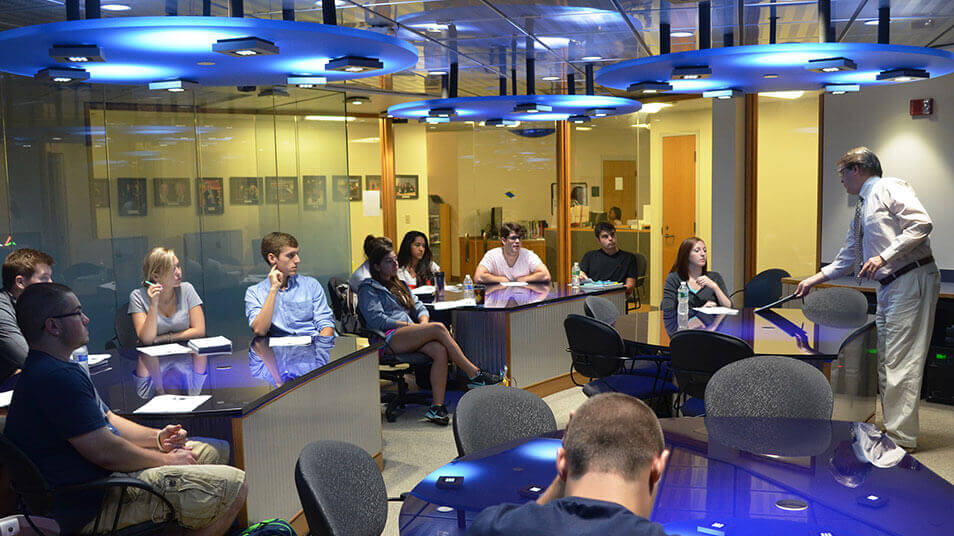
[(769, 386), (600, 308), (836, 306), (495, 414)]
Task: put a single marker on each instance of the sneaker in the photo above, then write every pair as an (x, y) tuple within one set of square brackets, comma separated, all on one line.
[(484, 378), (437, 414)]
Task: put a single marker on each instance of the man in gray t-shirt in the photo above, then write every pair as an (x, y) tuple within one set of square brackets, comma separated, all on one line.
[(21, 268)]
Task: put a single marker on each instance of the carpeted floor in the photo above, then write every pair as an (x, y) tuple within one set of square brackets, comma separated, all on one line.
[(414, 447)]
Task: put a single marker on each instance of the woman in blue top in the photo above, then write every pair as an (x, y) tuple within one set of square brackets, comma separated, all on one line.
[(705, 288), (166, 309), (388, 306)]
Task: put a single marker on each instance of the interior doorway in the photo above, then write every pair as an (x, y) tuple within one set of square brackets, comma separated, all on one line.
[(679, 195), (619, 187)]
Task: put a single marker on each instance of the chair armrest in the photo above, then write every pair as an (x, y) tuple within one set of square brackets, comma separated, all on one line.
[(117, 482)]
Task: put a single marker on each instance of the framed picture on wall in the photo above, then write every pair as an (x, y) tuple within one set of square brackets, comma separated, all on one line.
[(99, 193), (578, 194), (314, 192), (405, 187), (171, 192), (372, 182), (211, 195), (281, 190), (131, 192), (245, 190), (347, 187)]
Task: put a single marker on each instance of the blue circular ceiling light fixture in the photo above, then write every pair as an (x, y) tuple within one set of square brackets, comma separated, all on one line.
[(507, 110), (777, 67), (244, 51)]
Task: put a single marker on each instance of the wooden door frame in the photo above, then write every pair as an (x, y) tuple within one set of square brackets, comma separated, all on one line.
[(697, 136)]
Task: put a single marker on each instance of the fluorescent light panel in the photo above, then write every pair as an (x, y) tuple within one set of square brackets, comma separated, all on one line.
[(61, 75), (305, 81), (648, 88), (243, 47), (532, 108), (174, 86), (578, 119), (722, 94), (76, 53), (691, 72), (904, 75), (600, 112), (441, 112), (831, 65), (501, 123), (354, 64), (839, 89)]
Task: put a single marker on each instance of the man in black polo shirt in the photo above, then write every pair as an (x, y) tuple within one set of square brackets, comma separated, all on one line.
[(609, 263)]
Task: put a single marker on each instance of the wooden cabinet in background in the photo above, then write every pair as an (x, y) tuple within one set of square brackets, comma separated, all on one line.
[(472, 249)]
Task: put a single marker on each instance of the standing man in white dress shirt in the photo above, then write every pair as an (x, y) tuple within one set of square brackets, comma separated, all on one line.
[(888, 240)]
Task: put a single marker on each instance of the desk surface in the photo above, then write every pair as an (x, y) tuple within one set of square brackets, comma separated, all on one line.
[(499, 297), (238, 382), (864, 285), (771, 332), (734, 471)]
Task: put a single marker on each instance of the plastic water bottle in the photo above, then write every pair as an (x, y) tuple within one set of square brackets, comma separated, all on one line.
[(575, 275), (468, 287), (81, 356), (683, 305)]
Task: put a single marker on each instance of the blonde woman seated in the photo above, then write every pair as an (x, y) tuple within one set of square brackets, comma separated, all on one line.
[(166, 309)]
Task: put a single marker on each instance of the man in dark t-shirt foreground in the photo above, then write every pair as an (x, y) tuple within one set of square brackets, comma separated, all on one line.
[(612, 457), (609, 263)]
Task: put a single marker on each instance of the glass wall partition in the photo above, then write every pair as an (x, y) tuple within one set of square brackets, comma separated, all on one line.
[(99, 175)]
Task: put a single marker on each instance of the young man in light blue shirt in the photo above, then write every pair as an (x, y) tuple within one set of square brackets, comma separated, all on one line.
[(286, 303)]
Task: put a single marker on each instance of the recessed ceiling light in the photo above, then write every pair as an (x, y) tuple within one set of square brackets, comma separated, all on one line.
[(441, 112), (244, 47), (550, 78), (354, 64), (340, 118), (578, 119), (436, 73), (584, 129), (175, 86), (61, 75), (532, 108), (599, 112), (770, 75), (691, 72), (591, 58), (305, 81), (357, 100), (501, 123), (653, 107), (205, 63), (681, 34), (831, 65), (903, 75), (76, 53), (874, 22), (722, 94), (641, 125), (434, 120), (841, 89), (649, 88), (115, 7), (782, 94)]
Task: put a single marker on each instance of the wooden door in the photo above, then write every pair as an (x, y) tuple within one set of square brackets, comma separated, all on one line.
[(679, 195), (620, 193)]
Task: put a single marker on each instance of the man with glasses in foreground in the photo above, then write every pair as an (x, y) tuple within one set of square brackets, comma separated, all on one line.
[(888, 241), (510, 262), (57, 418)]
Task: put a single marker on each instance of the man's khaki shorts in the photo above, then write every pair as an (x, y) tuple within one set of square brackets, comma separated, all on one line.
[(200, 494)]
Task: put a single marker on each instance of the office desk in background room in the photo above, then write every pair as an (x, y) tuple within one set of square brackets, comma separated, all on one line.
[(522, 328), (267, 407)]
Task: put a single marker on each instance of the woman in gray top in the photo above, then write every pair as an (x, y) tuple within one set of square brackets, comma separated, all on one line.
[(705, 288), (166, 309)]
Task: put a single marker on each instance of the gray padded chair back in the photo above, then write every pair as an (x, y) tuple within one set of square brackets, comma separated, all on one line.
[(341, 490), (601, 309), (496, 414), (837, 307), (769, 386), (125, 330)]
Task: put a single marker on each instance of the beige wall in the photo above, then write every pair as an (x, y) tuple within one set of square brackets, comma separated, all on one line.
[(364, 158), (787, 204)]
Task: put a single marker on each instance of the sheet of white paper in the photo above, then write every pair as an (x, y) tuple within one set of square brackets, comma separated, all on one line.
[(717, 310), (5, 398), (371, 201), (423, 289), (95, 359), (210, 342), (514, 284), (619, 183), (172, 404), (300, 340), (164, 349), (444, 305)]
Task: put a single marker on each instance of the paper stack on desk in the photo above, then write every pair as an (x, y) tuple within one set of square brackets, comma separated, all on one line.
[(716, 310), (173, 404), (453, 304), (211, 345), (164, 349), (300, 340)]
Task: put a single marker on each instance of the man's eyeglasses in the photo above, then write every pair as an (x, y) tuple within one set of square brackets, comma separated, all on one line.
[(513, 238), (65, 315)]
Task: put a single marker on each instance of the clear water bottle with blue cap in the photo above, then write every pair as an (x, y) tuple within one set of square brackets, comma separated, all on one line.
[(468, 287), (575, 275), (81, 356), (683, 308)]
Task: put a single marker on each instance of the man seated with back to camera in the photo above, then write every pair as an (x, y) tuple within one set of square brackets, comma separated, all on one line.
[(510, 262), (57, 418), (21, 268), (285, 303), (609, 263), (612, 457)]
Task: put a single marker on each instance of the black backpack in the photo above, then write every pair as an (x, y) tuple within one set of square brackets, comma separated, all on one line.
[(344, 305)]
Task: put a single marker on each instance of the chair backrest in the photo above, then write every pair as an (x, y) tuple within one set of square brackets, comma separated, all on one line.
[(595, 346), (764, 288), (600, 308), (697, 355), (640, 265), (27, 480), (836, 306), (769, 386), (125, 330), (495, 414), (344, 305), (341, 490)]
